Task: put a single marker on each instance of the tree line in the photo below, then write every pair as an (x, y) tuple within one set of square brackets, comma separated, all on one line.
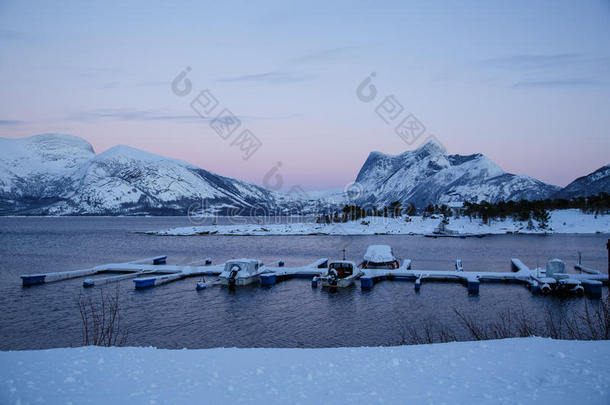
[(356, 212), (523, 210)]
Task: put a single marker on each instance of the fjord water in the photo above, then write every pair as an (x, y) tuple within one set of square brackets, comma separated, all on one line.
[(288, 314)]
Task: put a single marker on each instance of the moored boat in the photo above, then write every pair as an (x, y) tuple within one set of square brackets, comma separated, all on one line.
[(341, 273), (239, 272), (379, 257)]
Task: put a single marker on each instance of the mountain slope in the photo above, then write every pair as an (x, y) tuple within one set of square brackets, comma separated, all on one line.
[(60, 174), (35, 171), (430, 175), (591, 184)]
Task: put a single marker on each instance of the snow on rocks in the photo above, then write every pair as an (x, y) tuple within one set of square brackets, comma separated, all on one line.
[(521, 370)]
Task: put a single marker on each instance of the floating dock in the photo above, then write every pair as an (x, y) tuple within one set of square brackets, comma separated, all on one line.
[(128, 268), (154, 271), (275, 275), (535, 279)]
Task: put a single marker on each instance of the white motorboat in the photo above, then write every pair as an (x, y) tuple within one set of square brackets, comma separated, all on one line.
[(239, 272), (341, 273), (379, 257)]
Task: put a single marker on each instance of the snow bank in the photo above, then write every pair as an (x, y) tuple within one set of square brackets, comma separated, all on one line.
[(561, 221), (526, 370)]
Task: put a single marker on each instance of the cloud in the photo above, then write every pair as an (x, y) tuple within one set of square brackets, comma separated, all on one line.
[(269, 77), (127, 85), (551, 70), (11, 122), (324, 54), (575, 82), (532, 61), (129, 114)]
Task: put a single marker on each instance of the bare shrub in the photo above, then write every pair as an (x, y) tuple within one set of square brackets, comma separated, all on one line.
[(476, 330), (426, 336), (525, 326), (102, 320), (554, 324), (428, 331), (587, 324), (590, 324), (503, 327)]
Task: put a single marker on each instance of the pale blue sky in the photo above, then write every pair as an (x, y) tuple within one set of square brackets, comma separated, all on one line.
[(525, 82)]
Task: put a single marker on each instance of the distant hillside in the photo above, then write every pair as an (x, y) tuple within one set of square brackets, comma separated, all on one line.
[(591, 184)]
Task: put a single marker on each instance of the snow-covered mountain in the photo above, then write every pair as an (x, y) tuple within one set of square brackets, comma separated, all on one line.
[(61, 174), (36, 171), (591, 184), (430, 175)]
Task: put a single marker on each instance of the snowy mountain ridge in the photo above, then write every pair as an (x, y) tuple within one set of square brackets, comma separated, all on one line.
[(60, 174), (55, 174), (591, 184), (430, 175)]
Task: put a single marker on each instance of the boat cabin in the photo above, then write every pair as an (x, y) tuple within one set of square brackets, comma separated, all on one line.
[(379, 257), (245, 267), (342, 268)]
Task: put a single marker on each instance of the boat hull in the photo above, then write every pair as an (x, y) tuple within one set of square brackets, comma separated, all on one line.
[(240, 281), (341, 283)]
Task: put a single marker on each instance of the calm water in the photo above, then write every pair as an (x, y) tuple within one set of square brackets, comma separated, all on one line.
[(289, 314)]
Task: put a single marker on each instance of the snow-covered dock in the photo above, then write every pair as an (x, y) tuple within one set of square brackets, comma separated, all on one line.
[(129, 267), (544, 280), (283, 273), (154, 271)]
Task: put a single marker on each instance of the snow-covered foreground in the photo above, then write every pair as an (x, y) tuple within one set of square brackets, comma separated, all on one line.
[(524, 370), (562, 221)]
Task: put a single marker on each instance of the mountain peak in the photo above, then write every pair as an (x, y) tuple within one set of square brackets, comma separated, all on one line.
[(125, 152), (431, 148), (52, 141), (429, 175)]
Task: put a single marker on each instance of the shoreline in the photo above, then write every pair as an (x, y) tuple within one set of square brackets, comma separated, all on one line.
[(570, 221)]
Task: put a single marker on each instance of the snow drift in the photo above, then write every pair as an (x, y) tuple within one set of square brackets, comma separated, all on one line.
[(523, 370)]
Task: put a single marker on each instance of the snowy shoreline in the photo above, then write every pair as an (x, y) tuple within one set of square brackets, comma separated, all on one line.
[(561, 221), (519, 370)]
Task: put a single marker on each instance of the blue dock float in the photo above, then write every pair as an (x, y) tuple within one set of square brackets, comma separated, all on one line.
[(33, 279), (473, 285), (142, 283), (160, 260), (268, 279), (593, 288), (366, 282)]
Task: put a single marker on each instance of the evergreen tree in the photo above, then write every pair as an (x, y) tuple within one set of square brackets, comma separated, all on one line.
[(395, 209)]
